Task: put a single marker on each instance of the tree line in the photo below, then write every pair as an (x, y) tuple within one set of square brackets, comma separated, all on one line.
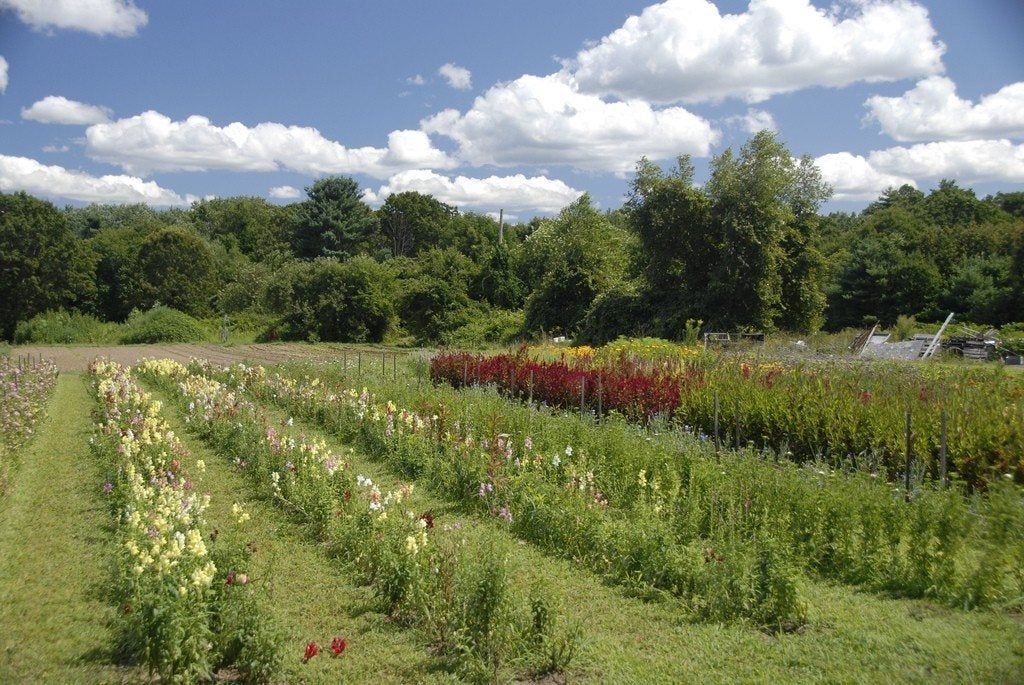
[(748, 250)]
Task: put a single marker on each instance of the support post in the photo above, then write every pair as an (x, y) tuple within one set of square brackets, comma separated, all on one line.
[(943, 454), (718, 437), (910, 455)]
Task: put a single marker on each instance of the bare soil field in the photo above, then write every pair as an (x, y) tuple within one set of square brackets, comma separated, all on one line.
[(77, 358)]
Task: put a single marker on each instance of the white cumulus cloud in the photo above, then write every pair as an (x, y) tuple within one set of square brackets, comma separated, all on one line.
[(416, 80), (514, 193), (101, 17), (457, 77), (545, 120), (3, 74), (971, 161), (284, 192), (933, 111), (151, 142), (23, 173), (858, 177), (686, 50), (57, 109), (754, 121), (854, 178)]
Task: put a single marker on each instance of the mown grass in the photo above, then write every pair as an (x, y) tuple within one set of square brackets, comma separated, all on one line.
[(56, 625), (850, 636)]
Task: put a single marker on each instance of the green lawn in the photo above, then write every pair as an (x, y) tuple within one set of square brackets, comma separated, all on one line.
[(56, 625)]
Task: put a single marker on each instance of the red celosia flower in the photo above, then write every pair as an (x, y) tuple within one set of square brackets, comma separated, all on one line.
[(865, 396), (338, 645), (347, 496), (429, 518), (230, 580), (312, 649)]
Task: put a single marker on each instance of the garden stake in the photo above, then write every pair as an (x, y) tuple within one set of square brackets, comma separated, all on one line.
[(736, 418), (942, 448), (383, 365), (583, 393), (465, 373), (910, 457), (600, 397), (718, 439), (359, 373)]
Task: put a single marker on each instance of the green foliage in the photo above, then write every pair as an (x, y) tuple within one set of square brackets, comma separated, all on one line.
[(161, 325), (581, 255), (178, 271), (65, 328), (250, 224), (350, 301), (42, 265), (434, 299), (119, 281), (411, 222), (498, 281), (334, 221), (494, 327), (621, 310)]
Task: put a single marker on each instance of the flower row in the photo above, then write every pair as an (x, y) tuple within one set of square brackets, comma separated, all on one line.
[(553, 497), (969, 422), (424, 574), (24, 391), (184, 614), (645, 505)]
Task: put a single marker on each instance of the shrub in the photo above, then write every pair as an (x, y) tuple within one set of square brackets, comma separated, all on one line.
[(500, 326), (161, 325), (65, 328), (619, 311), (351, 301), (179, 271)]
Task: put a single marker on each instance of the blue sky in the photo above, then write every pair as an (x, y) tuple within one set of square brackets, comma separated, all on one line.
[(542, 100)]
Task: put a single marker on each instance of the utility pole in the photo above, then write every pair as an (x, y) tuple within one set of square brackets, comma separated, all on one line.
[(501, 226)]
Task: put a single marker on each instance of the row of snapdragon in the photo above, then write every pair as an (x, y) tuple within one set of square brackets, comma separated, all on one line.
[(555, 498), (668, 510), (24, 391), (187, 610), (426, 575)]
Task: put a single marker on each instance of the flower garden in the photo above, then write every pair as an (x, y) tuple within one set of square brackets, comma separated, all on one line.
[(476, 501), (26, 387)]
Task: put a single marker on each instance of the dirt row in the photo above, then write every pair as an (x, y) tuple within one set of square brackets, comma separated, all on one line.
[(77, 358)]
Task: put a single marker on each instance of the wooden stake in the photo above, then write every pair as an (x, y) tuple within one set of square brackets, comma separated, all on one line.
[(736, 419), (583, 393), (910, 455), (718, 438), (942, 449)]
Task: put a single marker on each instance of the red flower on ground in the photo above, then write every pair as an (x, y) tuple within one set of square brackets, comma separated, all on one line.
[(429, 518), (312, 649), (338, 645), (347, 496)]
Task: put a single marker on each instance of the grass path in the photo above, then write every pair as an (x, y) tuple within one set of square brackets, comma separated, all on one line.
[(55, 555), (306, 592), (851, 637)]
